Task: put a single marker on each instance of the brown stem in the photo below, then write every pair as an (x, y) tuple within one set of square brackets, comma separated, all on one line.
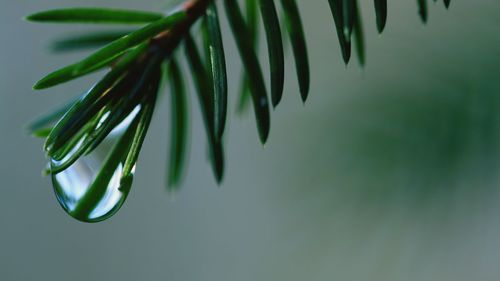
[(168, 40)]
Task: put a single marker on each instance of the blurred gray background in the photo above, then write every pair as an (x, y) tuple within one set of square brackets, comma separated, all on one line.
[(390, 172)]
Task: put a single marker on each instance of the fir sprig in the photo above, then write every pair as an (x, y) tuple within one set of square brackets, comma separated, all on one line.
[(136, 62)]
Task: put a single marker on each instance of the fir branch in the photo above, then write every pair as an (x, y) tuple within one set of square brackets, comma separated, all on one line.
[(125, 97)]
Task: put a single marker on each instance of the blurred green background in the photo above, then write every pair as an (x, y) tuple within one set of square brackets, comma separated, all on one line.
[(390, 172)]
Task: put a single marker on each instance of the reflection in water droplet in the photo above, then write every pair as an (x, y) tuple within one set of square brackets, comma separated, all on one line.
[(89, 194)]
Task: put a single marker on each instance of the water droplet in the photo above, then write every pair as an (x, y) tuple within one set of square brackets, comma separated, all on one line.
[(95, 187)]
